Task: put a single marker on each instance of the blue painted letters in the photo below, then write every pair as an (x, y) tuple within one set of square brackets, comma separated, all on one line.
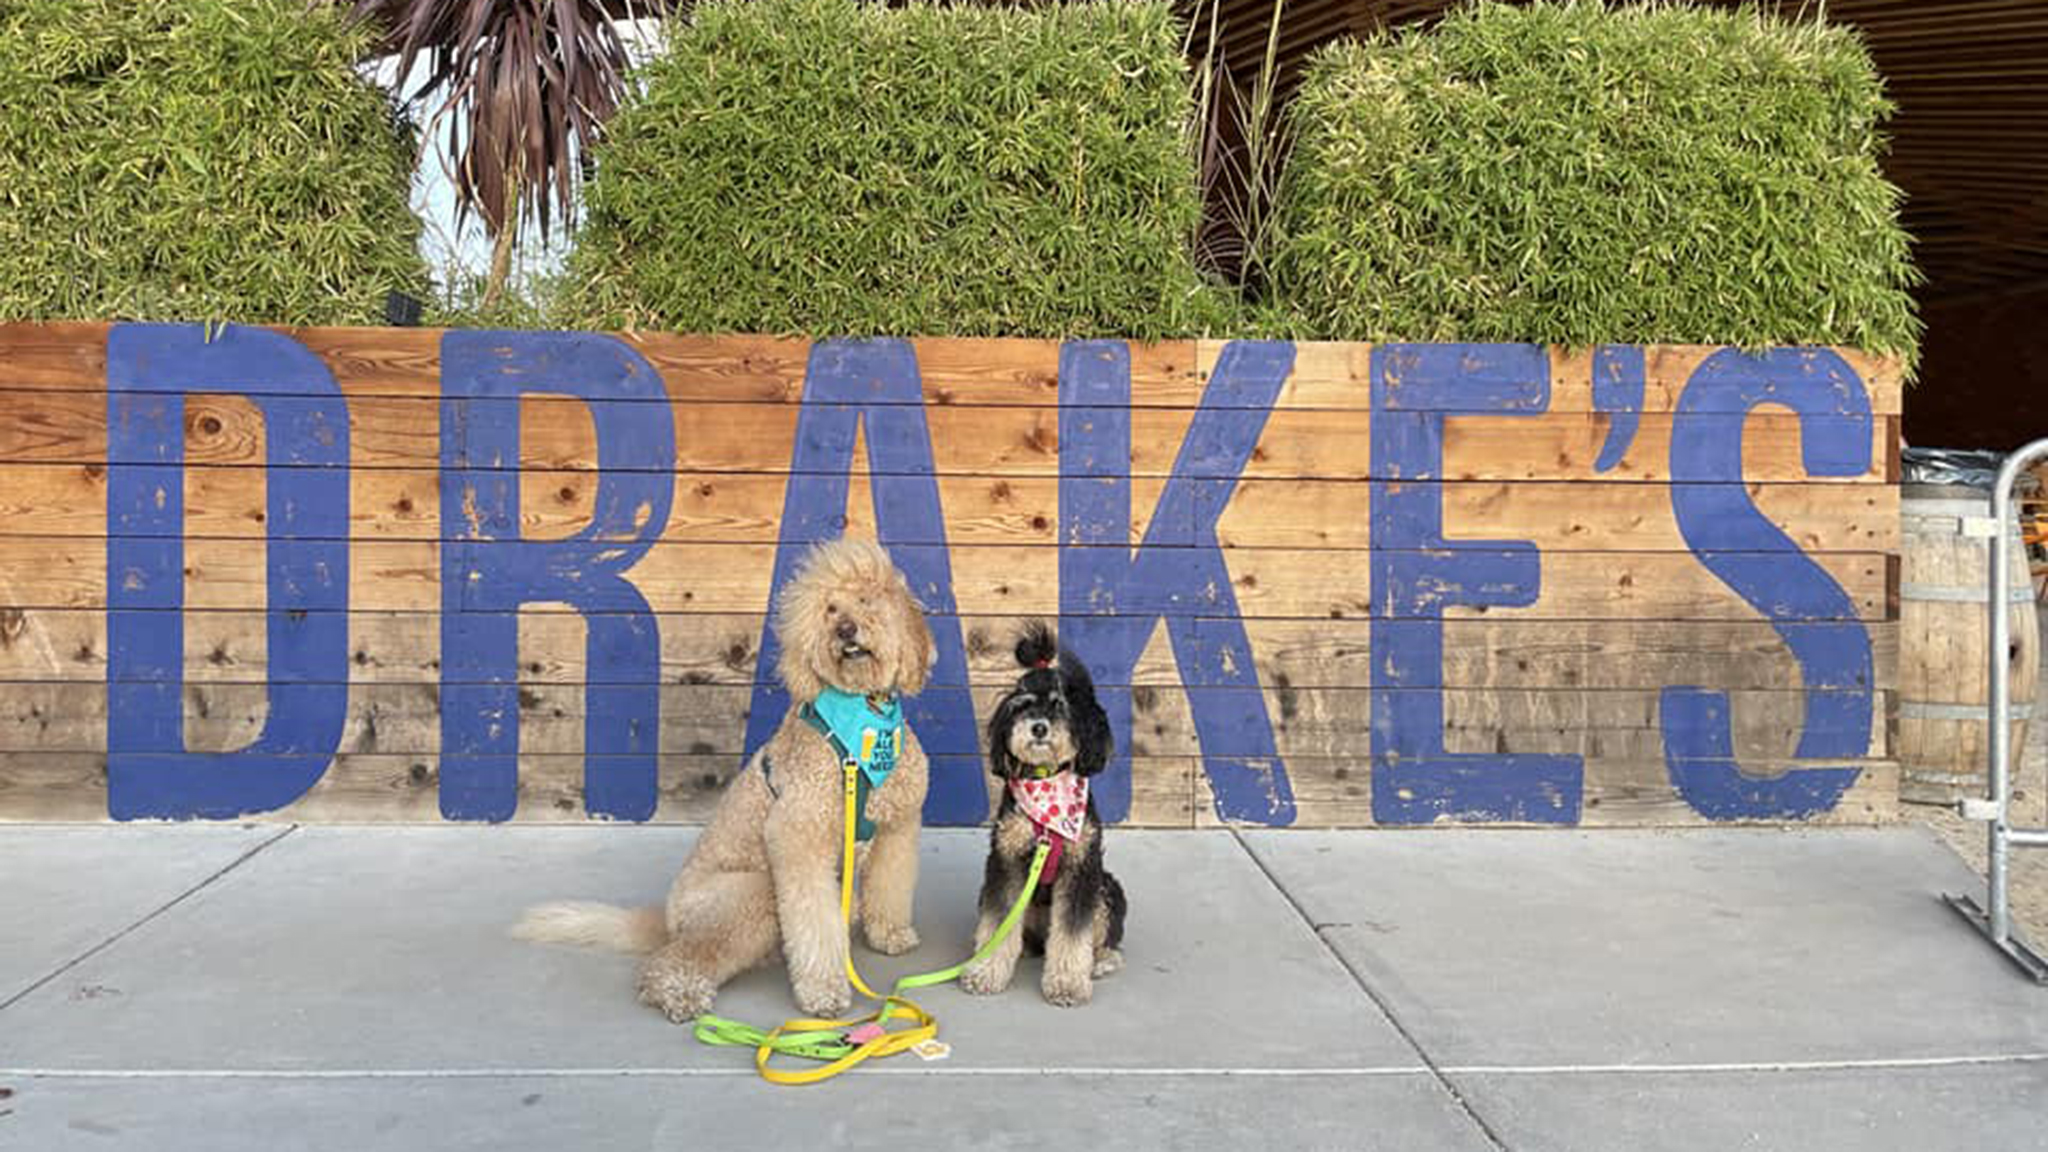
[(151, 368), (1416, 573), (488, 570), (1111, 599), (875, 386), (1755, 558)]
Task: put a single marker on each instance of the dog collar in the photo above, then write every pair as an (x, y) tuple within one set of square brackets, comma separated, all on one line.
[(864, 731)]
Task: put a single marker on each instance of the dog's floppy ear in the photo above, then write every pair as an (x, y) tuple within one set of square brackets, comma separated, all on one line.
[(920, 651), (1094, 740), (999, 739), (796, 664)]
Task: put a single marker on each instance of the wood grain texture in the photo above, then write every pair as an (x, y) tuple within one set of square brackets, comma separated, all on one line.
[(1619, 793), (727, 508), (710, 720), (1630, 599), (1170, 793), (1014, 580), (229, 647), (556, 433), (405, 362), (390, 788)]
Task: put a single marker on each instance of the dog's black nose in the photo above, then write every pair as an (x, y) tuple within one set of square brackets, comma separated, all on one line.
[(1039, 728), (848, 630)]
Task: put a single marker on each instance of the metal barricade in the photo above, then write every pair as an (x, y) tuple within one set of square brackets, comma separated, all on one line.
[(1994, 917)]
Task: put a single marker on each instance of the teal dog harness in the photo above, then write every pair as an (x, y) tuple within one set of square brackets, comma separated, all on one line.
[(863, 732)]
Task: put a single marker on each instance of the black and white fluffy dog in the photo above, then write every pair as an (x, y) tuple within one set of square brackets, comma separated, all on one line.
[(1047, 737)]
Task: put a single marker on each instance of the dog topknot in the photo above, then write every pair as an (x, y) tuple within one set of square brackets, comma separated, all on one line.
[(1036, 647)]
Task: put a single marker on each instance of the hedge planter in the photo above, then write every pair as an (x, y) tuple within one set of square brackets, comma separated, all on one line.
[(406, 574)]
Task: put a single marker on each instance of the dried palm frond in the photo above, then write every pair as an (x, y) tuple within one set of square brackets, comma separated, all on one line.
[(525, 87)]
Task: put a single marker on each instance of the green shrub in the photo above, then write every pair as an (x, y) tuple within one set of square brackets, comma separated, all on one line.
[(1568, 173), (198, 159), (833, 167)]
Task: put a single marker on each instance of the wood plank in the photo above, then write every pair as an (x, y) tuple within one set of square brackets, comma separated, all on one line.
[(386, 432), (43, 572), (712, 719), (1339, 375), (1174, 794), (713, 508), (1625, 608), (1617, 794), (228, 647), (385, 788), (965, 372)]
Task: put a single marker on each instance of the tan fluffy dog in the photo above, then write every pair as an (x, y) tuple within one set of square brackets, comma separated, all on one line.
[(765, 871)]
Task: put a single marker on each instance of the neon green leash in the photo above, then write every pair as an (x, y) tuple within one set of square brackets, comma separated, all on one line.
[(829, 1046)]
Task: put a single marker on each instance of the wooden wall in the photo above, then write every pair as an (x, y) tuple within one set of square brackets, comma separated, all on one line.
[(403, 574)]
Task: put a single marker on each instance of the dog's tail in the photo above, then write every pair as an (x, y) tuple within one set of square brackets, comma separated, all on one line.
[(1036, 647), (635, 931)]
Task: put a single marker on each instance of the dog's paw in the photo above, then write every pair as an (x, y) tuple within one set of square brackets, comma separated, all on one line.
[(1068, 991), (825, 998), (1107, 961), (680, 996), (989, 978), (893, 940)]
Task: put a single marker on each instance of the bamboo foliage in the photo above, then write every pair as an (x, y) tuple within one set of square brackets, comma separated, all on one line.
[(198, 160), (1566, 172), (829, 166)]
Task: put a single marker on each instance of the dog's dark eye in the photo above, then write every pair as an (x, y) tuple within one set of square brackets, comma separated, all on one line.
[(831, 609)]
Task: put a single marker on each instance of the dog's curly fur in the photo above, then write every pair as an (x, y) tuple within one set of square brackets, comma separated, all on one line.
[(1050, 717), (764, 874)]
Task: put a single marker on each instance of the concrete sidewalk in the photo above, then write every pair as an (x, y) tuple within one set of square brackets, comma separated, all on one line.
[(213, 989)]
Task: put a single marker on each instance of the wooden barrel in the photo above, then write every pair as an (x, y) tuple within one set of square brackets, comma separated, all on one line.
[(1944, 634)]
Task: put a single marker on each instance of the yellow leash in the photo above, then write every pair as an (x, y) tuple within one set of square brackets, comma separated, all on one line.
[(815, 1037)]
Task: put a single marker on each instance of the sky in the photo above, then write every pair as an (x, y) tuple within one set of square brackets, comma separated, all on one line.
[(442, 243)]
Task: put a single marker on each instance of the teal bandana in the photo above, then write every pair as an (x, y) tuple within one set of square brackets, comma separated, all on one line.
[(863, 732)]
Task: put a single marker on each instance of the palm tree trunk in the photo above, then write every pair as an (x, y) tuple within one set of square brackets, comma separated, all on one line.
[(501, 260)]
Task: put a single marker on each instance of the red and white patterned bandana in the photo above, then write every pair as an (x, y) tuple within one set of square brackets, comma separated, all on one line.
[(1058, 803)]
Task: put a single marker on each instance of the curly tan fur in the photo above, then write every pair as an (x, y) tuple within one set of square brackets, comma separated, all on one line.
[(764, 875)]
